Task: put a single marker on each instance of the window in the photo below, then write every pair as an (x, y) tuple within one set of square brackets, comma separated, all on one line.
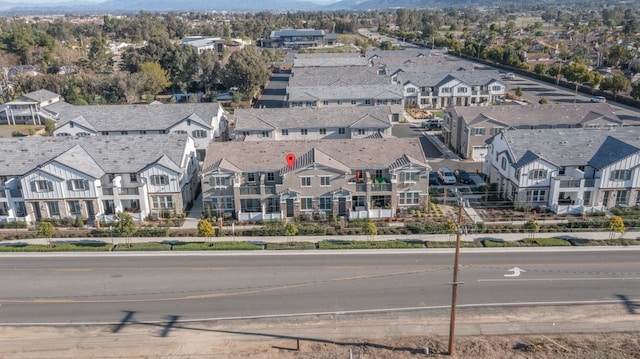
[(478, 131), (311, 104), (250, 205), (199, 134), (78, 185), (409, 198), (325, 204), (367, 102), (124, 132), (621, 198), (74, 207), (620, 175), (353, 102), (409, 177), (271, 177), (537, 195), (411, 90), (325, 181), (339, 102), (537, 174), (361, 131), (304, 132), (562, 170), (221, 204), (54, 208), (325, 102), (342, 131), (445, 90), (104, 133), (159, 180), (586, 198), (306, 203), (462, 89), (218, 181), (265, 133), (496, 88), (495, 130), (246, 133), (378, 173), (251, 177), (504, 164), (133, 177), (161, 202), (285, 132), (323, 131), (305, 181), (41, 186)]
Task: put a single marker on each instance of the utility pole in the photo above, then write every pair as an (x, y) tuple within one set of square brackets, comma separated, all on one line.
[(454, 284)]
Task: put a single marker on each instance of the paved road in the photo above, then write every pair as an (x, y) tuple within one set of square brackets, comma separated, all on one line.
[(112, 288)]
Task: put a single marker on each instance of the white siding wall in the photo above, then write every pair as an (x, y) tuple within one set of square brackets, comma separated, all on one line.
[(172, 187), (630, 163)]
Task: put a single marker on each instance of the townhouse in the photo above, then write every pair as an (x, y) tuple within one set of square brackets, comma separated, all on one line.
[(447, 83), (300, 38), (568, 170), (312, 123), (31, 108), (360, 95), (204, 122), (466, 129), (351, 178), (96, 176)]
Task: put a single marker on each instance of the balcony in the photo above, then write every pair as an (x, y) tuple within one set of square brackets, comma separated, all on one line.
[(107, 191), (570, 183), (16, 193), (361, 187), (3, 194), (381, 187), (249, 190), (129, 191), (591, 182), (270, 190)]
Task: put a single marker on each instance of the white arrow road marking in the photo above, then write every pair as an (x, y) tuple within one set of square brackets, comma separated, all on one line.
[(516, 272)]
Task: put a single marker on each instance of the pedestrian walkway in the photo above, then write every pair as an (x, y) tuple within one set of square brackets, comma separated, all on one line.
[(194, 215)]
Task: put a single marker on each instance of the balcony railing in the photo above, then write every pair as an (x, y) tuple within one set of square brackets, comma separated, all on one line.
[(128, 191), (250, 190), (107, 191), (570, 183), (361, 187), (3, 194), (380, 187), (270, 190), (591, 182), (15, 193)]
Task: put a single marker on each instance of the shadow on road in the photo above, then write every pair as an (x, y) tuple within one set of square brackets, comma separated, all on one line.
[(631, 305)]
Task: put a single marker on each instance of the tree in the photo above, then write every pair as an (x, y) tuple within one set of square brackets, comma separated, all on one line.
[(290, 230), (205, 229), (543, 101), (616, 225), (153, 77), (99, 54), (615, 84), (635, 90), (125, 226), (540, 69), (518, 91), (49, 126), (247, 71), (46, 230), (370, 229), (532, 227)]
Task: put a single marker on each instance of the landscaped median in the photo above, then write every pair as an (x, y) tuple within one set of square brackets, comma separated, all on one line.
[(489, 242)]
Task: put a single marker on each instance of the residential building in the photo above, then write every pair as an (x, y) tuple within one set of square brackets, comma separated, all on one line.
[(330, 60), (362, 95), (30, 108), (352, 178), (446, 84), (466, 129), (203, 121), (568, 170), (304, 123), (300, 38), (97, 176), (336, 76), (203, 43)]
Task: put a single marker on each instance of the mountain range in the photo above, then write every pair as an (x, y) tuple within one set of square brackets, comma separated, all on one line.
[(216, 5)]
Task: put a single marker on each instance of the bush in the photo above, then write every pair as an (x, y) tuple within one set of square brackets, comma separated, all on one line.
[(152, 232), (548, 242), (15, 225)]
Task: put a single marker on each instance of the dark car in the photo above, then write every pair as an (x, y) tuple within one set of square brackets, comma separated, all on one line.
[(433, 179), (463, 176)]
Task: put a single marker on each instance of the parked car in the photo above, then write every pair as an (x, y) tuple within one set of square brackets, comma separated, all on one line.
[(434, 123), (463, 177), (446, 176), (433, 179), (600, 99), (509, 76)]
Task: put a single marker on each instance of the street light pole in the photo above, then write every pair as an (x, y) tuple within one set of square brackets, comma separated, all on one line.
[(454, 285)]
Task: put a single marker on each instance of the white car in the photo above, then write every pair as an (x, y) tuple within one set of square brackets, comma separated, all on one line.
[(599, 99), (509, 76), (446, 176)]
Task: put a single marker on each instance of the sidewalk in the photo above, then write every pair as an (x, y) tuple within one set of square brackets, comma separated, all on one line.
[(317, 238)]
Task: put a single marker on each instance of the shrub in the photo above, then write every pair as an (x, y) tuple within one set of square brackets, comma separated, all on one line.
[(15, 225)]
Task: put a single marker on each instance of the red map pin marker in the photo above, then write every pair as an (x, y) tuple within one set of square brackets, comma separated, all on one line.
[(291, 159)]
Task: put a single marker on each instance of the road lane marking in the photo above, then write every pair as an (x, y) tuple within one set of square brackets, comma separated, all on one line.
[(516, 272), (555, 279)]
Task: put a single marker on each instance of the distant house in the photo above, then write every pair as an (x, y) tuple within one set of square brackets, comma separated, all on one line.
[(312, 123), (202, 43), (300, 38), (30, 108)]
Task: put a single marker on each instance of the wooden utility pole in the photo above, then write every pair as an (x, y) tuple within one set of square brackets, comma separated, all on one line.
[(454, 284)]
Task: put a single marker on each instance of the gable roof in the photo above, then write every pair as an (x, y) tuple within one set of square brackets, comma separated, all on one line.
[(40, 96), (267, 119), (315, 93)]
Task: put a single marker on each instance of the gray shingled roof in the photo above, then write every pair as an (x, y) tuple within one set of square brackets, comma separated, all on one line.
[(296, 32), (40, 95), (336, 76), (574, 146), (112, 154), (538, 114), (346, 93), (333, 61), (354, 153), (139, 117), (266, 119)]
